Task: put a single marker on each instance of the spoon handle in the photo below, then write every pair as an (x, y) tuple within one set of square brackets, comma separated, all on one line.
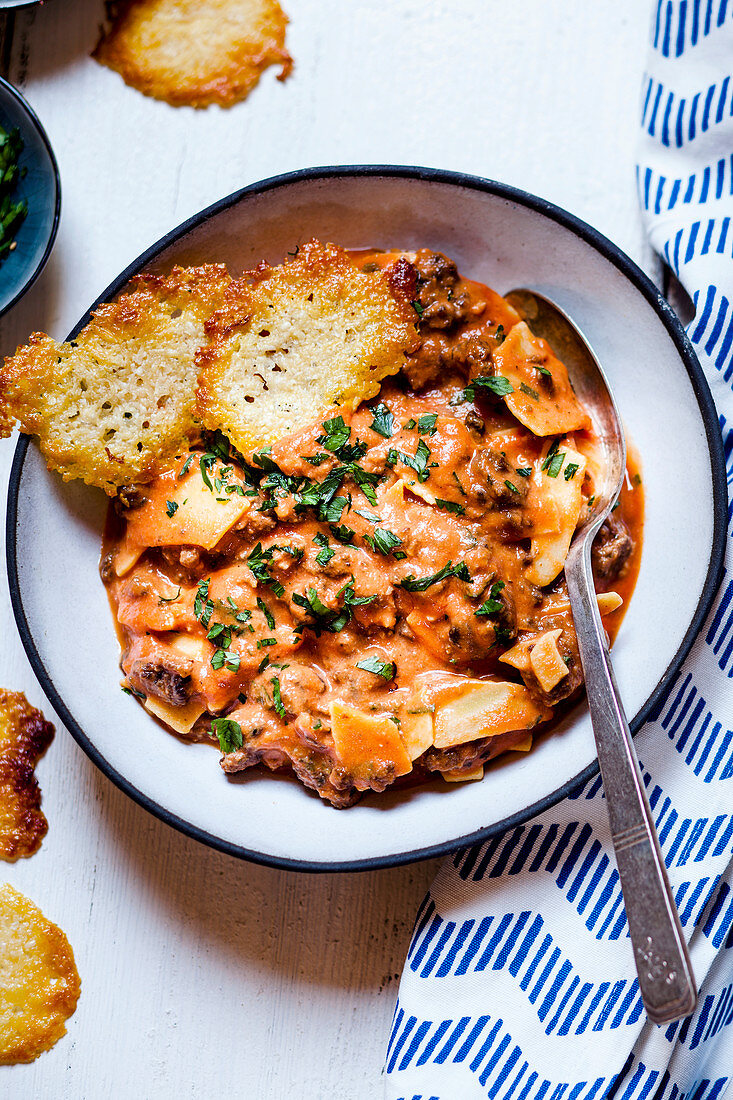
[(666, 980)]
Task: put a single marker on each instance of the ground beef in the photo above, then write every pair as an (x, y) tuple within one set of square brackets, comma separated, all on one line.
[(612, 549), (443, 304), (492, 478), (468, 354), (182, 563), (128, 497), (165, 683)]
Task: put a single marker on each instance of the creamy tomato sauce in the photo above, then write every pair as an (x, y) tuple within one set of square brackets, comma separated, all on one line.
[(380, 595)]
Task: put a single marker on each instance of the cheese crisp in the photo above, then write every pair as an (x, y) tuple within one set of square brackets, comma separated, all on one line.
[(292, 341), (39, 982), (24, 737), (120, 397), (196, 52)]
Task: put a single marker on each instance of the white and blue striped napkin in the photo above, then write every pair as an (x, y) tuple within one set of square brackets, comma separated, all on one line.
[(519, 982)]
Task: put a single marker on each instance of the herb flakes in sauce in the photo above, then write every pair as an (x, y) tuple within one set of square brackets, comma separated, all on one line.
[(385, 669), (229, 733), (383, 422), (421, 584)]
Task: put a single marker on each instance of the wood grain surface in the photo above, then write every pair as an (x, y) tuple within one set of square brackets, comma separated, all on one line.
[(201, 975)]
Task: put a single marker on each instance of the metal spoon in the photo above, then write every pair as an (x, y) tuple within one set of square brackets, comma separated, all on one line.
[(666, 980)]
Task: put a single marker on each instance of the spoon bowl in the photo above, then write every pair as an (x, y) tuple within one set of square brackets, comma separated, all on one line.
[(552, 324)]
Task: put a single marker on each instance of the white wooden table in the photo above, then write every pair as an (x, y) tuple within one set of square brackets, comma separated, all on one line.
[(202, 975)]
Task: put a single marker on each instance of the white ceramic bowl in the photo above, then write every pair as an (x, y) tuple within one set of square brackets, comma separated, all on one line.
[(505, 238)]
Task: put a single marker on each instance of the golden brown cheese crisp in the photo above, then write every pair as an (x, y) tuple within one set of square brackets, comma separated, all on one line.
[(195, 52), (119, 399), (291, 341), (39, 982), (24, 737)]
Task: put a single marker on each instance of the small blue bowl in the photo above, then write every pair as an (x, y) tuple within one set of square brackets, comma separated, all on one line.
[(41, 189)]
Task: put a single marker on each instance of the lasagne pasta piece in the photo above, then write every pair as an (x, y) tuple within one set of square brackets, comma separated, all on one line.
[(484, 708), (24, 737), (368, 746), (293, 340), (118, 400), (39, 982), (189, 510), (542, 398), (195, 52), (557, 478)]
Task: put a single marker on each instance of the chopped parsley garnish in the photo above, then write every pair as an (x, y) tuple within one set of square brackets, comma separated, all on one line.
[(203, 607), (277, 701), (257, 561), (170, 508), (205, 464), (411, 423), (543, 370), (263, 643), (426, 424), (241, 617), (185, 467), (368, 515), (324, 618), (510, 485), (269, 617), (500, 335), (334, 508), (382, 541), (323, 556), (419, 310), (229, 733), (225, 658), (498, 385), (450, 506), (385, 669), (553, 450), (317, 459), (458, 483), (421, 584), (383, 422), (343, 533), (336, 440), (417, 462), (337, 433), (554, 465), (220, 634), (571, 470), (170, 599), (524, 471), (263, 664), (492, 605), (529, 391)]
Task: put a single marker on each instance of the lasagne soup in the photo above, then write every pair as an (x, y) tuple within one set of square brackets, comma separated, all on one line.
[(380, 595)]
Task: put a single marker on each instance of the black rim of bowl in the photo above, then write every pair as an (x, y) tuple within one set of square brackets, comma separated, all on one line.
[(35, 122), (715, 567)]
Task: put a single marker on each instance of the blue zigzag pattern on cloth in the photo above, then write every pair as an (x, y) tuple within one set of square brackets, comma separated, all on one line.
[(712, 329), (490, 1052), (676, 119), (680, 25), (659, 192), (520, 943)]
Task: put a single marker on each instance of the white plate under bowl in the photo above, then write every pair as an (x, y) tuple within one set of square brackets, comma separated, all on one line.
[(497, 235)]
